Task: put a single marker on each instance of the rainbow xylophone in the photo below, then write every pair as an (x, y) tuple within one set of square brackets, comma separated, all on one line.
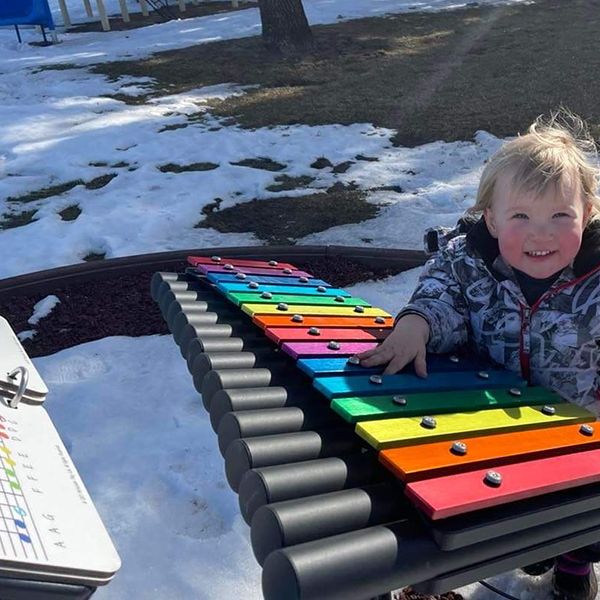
[(332, 460)]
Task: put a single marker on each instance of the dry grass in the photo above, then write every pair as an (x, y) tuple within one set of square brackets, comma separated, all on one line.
[(12, 220), (56, 190), (200, 166), (430, 76), (285, 219), (70, 213)]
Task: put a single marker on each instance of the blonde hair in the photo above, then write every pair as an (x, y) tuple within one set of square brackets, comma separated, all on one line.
[(555, 151)]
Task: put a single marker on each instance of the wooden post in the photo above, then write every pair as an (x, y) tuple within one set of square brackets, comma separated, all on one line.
[(65, 13), (182, 5), (88, 8), (144, 7), (124, 11), (102, 13)]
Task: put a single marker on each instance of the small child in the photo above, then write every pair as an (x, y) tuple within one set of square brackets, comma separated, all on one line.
[(520, 283)]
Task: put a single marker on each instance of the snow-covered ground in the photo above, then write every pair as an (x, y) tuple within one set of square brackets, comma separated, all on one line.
[(162, 495), (57, 127)]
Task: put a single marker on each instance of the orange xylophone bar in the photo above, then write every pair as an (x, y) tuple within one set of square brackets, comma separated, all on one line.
[(305, 491)]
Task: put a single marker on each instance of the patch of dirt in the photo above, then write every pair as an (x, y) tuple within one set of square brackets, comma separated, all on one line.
[(342, 167), (387, 188), (61, 188), (100, 182), (129, 100), (261, 162), (53, 190), (92, 256), (118, 165), (123, 305), (321, 163), (173, 127), (70, 213), (212, 206), (283, 220), (58, 67), (286, 183), (12, 220), (199, 166)]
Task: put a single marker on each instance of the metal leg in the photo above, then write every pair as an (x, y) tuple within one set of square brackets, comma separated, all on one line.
[(103, 16), (65, 13), (124, 11), (18, 34), (44, 34), (88, 8)]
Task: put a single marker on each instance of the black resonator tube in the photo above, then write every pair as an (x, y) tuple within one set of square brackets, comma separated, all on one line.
[(265, 485), (249, 453)]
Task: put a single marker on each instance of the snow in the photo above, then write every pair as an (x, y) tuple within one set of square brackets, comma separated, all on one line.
[(40, 310), (159, 486), (43, 308)]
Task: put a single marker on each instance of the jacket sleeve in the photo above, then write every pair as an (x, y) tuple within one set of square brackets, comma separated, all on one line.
[(439, 299)]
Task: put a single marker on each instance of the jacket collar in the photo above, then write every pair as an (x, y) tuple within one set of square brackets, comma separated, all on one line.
[(481, 243)]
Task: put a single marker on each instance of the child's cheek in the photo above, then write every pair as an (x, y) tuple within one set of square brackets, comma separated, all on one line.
[(510, 243), (569, 241)]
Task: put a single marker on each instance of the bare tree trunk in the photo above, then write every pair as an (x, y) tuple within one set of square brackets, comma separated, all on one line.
[(284, 25)]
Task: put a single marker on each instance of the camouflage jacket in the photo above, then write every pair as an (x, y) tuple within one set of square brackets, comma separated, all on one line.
[(469, 295)]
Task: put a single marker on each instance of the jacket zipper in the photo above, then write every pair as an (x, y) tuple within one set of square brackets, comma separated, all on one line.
[(527, 314)]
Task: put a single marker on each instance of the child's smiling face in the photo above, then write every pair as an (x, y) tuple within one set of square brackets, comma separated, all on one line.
[(537, 234)]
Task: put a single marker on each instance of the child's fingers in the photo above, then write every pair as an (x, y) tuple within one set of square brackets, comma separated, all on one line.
[(421, 364), (396, 364), (367, 353), (378, 356)]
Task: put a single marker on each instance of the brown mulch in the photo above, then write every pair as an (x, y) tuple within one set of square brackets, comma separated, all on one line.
[(409, 594), (123, 306)]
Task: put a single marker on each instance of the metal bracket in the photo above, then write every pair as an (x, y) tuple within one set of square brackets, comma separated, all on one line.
[(14, 401)]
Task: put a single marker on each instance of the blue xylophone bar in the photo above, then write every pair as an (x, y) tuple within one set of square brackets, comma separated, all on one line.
[(319, 367), (337, 387), (265, 279)]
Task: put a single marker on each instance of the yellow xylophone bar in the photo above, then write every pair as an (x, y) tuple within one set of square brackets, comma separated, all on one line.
[(412, 430), (306, 309)]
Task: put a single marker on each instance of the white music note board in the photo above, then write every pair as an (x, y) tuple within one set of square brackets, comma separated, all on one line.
[(49, 527)]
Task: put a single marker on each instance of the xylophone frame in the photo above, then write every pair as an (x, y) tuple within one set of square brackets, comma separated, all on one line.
[(291, 473)]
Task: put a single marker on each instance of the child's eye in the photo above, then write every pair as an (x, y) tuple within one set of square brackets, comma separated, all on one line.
[(561, 214), (520, 216)]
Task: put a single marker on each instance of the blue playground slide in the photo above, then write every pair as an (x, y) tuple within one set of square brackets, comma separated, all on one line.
[(26, 12)]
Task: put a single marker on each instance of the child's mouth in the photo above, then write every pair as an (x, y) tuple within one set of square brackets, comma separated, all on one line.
[(540, 253)]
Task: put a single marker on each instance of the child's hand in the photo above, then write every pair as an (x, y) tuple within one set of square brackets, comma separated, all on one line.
[(406, 342)]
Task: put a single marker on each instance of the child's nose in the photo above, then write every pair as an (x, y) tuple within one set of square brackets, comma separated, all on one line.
[(542, 231)]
